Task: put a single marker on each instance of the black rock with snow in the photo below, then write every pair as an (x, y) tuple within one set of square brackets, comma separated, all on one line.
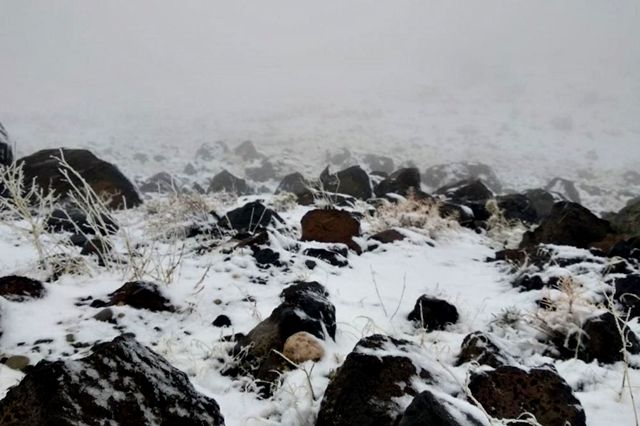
[(508, 392), (627, 220), (226, 182), (121, 382), (365, 389), (305, 307), (139, 295), (74, 220), (335, 256), (472, 194), (261, 173), (296, 184), (446, 174), (433, 314), (479, 347), (353, 181), (542, 201), (250, 218), (222, 321), (402, 182), (18, 288), (564, 187), (601, 340), (104, 178), (518, 207), (628, 249), (568, 224), (426, 409), (161, 183), (627, 293)]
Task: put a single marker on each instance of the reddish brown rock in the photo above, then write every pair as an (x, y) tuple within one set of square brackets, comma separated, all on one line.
[(331, 226)]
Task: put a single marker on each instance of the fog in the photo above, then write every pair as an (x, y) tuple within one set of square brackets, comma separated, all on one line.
[(118, 69)]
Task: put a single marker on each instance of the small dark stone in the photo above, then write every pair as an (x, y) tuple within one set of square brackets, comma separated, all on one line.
[(388, 236), (401, 182), (479, 347), (18, 289), (105, 315), (141, 295), (333, 256), (222, 321), (226, 182), (433, 314)]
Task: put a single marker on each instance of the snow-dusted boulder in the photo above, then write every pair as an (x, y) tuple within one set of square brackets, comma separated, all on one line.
[(352, 181), (103, 177), (122, 382), (402, 182)]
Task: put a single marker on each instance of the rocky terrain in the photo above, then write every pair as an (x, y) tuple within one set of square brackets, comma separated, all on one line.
[(237, 287)]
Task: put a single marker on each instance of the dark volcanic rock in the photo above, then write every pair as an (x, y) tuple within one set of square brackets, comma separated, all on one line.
[(226, 182), (568, 224), (222, 321), (363, 390), (161, 183), (140, 295), (507, 392), (262, 173), (467, 190), (250, 218), (331, 226), (17, 288), (627, 220), (401, 182), (518, 207), (305, 307), (433, 314), (564, 187), (479, 347), (75, 220), (388, 236), (353, 181), (121, 382), (104, 178), (628, 249), (211, 151), (428, 410), (445, 174), (334, 256), (628, 294), (6, 152), (541, 201), (296, 184), (602, 340)]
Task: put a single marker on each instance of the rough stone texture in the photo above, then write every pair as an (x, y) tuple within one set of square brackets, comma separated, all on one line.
[(507, 392), (140, 295), (433, 314), (479, 347), (334, 256), (161, 183), (568, 224), (250, 218), (401, 182), (303, 346), (104, 178), (602, 340), (467, 190), (226, 182), (628, 294), (388, 236), (296, 184), (353, 181), (121, 382), (518, 207), (363, 389), (428, 410), (331, 226), (18, 289), (542, 201), (627, 220)]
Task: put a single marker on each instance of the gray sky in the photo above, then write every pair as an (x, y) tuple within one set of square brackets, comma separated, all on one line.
[(105, 57)]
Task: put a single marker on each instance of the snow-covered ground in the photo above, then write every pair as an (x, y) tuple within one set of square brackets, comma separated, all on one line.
[(374, 294)]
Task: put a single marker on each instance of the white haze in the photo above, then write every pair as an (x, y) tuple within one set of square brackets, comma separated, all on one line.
[(485, 78)]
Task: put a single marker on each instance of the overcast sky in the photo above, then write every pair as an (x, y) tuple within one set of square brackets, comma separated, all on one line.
[(133, 55)]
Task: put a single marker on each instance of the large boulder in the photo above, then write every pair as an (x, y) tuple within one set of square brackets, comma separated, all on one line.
[(479, 347), (601, 339), (542, 201), (104, 178), (6, 151), (365, 390), (402, 182), (17, 288), (331, 226), (508, 392), (121, 382), (568, 224), (226, 182), (517, 207), (353, 181), (445, 174)]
